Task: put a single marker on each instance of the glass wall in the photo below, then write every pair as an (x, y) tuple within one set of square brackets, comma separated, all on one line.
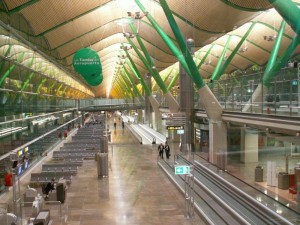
[(30, 136), (235, 93)]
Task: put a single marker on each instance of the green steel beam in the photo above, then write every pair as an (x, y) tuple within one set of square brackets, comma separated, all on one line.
[(59, 87), (183, 46), (136, 72), (234, 52), (123, 89), (289, 12), (134, 69), (124, 83), (166, 77), (131, 82), (178, 54), (174, 79), (205, 56), (11, 68), (274, 53), (40, 85), (148, 64), (216, 75), (118, 90), (5, 54), (64, 91), (51, 87), (155, 73), (23, 6), (281, 61), (30, 75), (186, 60)]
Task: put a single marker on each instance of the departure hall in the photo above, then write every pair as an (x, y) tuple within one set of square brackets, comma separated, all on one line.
[(149, 112)]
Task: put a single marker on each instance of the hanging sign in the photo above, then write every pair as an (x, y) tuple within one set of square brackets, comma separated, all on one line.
[(86, 62)]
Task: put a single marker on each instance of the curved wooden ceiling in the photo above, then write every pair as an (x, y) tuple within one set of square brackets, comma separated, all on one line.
[(61, 27)]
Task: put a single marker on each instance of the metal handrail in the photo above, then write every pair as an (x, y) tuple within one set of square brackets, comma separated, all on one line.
[(153, 138), (36, 139), (135, 134)]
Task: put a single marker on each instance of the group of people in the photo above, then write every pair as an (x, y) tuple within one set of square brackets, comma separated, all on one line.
[(164, 148)]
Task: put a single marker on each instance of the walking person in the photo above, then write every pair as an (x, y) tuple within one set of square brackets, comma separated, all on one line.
[(167, 150), (161, 150)]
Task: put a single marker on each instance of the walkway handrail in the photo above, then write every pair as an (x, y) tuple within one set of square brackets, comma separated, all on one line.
[(36, 139), (135, 134), (153, 138)]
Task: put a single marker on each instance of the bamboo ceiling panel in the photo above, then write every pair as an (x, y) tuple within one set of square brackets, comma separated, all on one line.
[(11, 4), (251, 4), (91, 40), (212, 15), (83, 25), (42, 19)]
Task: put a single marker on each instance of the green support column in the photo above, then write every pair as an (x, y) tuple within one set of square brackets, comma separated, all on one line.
[(205, 56), (131, 82), (174, 78), (260, 92), (123, 89), (51, 87), (11, 68), (154, 72), (211, 104), (282, 61), (124, 84), (64, 91), (178, 54), (5, 54), (172, 104), (274, 54), (29, 77), (216, 75), (60, 86), (236, 49), (136, 72), (195, 75), (289, 12), (40, 85)]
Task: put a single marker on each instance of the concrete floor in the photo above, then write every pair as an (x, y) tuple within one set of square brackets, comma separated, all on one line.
[(136, 192)]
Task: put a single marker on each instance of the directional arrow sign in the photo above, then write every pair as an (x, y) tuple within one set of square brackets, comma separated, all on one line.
[(180, 170)]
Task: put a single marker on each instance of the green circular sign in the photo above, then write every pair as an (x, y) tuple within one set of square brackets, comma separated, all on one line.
[(87, 63)]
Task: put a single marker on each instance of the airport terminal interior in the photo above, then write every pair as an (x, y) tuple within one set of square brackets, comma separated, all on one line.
[(149, 112)]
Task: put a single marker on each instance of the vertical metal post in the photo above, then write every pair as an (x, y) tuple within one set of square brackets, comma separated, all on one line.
[(186, 194), (14, 191), (298, 73), (189, 195)]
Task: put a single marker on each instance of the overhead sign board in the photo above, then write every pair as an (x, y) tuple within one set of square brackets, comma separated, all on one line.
[(181, 170), (175, 127)]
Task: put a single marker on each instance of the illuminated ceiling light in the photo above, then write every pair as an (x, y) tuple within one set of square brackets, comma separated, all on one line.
[(269, 37), (208, 62), (122, 56), (243, 49), (137, 15), (123, 22), (129, 34), (126, 47)]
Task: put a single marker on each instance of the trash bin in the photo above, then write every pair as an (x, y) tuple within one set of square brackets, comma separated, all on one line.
[(102, 165), (283, 181), (259, 174), (103, 144)]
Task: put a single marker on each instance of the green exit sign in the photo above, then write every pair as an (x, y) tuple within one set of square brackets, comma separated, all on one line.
[(180, 170)]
